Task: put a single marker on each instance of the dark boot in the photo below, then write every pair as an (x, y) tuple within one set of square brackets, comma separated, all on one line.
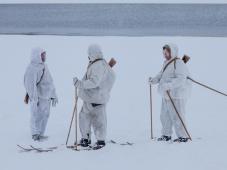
[(164, 138), (99, 144), (181, 139), (85, 142), (36, 137)]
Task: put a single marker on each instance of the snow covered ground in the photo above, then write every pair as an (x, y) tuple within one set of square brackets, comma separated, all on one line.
[(128, 110)]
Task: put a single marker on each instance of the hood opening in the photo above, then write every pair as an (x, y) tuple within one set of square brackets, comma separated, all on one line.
[(172, 48)]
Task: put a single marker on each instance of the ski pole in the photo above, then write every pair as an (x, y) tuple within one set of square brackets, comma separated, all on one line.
[(210, 88), (151, 112), (182, 122), (70, 127), (76, 100)]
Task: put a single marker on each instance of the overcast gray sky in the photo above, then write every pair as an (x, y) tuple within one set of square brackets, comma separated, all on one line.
[(113, 1)]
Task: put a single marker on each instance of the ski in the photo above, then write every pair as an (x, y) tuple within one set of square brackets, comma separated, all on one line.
[(25, 149), (122, 144), (176, 142), (40, 149), (97, 147), (91, 147), (32, 148), (79, 148)]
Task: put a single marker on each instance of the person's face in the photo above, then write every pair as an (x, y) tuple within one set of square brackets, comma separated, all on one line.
[(43, 56), (166, 54)]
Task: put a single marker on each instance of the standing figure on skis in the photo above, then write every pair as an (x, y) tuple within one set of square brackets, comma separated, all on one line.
[(40, 93), (173, 78), (94, 90)]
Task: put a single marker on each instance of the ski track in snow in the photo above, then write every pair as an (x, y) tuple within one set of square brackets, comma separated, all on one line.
[(128, 110)]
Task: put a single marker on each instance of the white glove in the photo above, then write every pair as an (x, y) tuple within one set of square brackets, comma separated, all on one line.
[(54, 102), (76, 82), (150, 81)]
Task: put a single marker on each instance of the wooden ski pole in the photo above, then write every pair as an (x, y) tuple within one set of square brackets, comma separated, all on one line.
[(73, 115), (151, 112), (206, 86), (178, 115), (70, 127), (76, 100)]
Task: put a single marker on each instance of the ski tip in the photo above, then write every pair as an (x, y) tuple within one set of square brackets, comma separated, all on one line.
[(112, 141)]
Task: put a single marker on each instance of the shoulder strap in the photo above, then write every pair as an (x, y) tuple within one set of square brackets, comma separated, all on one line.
[(174, 60), (95, 61), (99, 59), (41, 77)]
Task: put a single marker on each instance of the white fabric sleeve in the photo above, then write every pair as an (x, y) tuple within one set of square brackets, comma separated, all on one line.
[(54, 95), (157, 78), (32, 77), (95, 77)]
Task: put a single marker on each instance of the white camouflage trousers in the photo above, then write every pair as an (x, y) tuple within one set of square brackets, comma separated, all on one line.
[(39, 116), (170, 119), (93, 117)]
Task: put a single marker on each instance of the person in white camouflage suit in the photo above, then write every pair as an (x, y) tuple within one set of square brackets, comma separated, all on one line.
[(94, 90), (173, 78), (41, 92)]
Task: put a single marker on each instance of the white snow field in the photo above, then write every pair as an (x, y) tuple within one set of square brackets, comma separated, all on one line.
[(128, 110)]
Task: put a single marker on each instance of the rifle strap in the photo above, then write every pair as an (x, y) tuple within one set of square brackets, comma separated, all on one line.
[(173, 60), (41, 77), (99, 59)]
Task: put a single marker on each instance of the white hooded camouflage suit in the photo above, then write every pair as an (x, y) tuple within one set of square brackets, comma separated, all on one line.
[(40, 88), (94, 90), (174, 79)]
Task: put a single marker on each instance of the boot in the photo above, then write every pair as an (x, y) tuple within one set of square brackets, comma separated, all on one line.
[(164, 138), (36, 137), (85, 142), (181, 139), (99, 144)]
